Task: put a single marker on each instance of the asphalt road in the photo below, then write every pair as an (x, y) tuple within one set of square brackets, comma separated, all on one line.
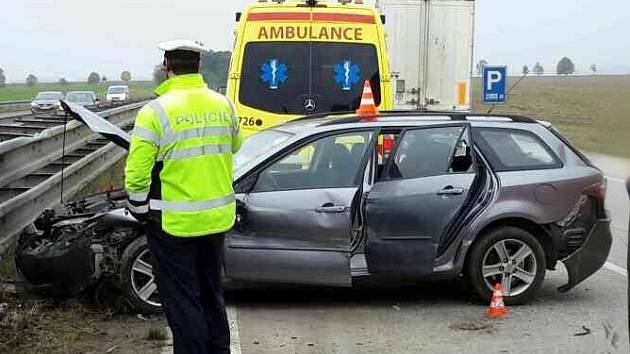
[(438, 317)]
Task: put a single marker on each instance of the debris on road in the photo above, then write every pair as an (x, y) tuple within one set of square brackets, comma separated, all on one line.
[(586, 332)]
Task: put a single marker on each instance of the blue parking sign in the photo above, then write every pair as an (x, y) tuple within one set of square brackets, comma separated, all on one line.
[(494, 85)]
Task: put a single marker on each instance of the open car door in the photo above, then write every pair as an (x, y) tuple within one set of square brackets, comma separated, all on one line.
[(425, 183), (295, 214)]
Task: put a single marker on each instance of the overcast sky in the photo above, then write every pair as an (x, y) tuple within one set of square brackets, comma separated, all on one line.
[(71, 38)]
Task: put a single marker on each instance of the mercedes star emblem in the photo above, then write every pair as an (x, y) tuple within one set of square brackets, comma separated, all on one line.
[(309, 104)]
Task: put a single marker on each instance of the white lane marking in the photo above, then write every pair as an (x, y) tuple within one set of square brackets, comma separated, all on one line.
[(618, 180), (615, 268), (235, 339)]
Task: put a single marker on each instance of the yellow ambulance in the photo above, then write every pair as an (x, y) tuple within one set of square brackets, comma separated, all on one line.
[(293, 58)]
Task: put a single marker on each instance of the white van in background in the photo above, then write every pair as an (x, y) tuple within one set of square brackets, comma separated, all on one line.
[(119, 93)]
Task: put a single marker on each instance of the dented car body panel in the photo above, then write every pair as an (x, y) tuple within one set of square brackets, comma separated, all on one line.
[(421, 226)]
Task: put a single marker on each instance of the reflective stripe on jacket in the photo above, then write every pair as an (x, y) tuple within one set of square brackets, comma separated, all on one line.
[(180, 158)]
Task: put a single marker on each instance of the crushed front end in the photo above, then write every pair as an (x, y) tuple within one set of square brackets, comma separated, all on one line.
[(71, 247)]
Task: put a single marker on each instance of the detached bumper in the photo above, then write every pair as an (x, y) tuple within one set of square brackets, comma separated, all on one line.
[(589, 258)]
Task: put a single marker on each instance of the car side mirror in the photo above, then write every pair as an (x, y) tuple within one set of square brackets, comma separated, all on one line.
[(247, 184)]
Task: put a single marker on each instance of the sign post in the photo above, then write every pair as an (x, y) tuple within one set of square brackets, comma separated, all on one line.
[(494, 85)]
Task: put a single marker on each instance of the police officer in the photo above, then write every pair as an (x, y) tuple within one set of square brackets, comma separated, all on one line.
[(179, 180)]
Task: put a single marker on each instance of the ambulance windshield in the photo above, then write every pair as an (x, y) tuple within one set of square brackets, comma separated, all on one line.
[(307, 77)]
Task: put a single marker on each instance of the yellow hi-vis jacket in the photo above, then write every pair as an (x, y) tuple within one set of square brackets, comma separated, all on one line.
[(179, 166)]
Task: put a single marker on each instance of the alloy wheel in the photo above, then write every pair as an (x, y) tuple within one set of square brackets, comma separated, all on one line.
[(512, 263), (142, 279)]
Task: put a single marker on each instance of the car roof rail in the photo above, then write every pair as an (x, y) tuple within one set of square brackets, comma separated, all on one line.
[(344, 117)]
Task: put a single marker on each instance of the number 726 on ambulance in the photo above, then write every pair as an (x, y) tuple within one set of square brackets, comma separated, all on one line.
[(293, 58)]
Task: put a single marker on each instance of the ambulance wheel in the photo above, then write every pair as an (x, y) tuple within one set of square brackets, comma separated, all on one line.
[(510, 256), (137, 279)]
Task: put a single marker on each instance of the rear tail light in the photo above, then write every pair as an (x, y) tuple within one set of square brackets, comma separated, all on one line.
[(597, 190), (597, 194)]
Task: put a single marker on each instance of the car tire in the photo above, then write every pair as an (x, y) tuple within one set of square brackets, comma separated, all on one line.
[(134, 278), (486, 251)]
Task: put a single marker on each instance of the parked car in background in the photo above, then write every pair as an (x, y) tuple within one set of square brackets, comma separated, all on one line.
[(87, 99), (46, 102), (119, 93), (326, 200)]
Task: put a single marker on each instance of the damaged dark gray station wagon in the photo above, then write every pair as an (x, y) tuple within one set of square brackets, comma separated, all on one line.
[(325, 200)]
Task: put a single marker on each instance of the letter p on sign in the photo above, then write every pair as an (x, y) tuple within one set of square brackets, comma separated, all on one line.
[(495, 85), (494, 77)]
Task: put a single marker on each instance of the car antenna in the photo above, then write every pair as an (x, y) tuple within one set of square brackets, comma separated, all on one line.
[(510, 90)]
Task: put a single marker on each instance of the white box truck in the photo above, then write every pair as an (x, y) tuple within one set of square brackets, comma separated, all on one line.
[(430, 45)]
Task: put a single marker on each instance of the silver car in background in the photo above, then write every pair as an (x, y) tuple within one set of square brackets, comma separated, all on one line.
[(46, 102), (87, 99), (326, 200)]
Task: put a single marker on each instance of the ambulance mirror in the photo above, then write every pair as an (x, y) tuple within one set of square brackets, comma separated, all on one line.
[(238, 16)]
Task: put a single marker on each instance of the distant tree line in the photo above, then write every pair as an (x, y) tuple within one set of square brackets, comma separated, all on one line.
[(564, 67), (214, 69)]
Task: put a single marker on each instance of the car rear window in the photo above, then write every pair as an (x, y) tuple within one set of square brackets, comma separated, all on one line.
[(515, 150), (280, 77)]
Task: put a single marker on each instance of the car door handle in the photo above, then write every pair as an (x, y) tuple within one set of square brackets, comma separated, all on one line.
[(450, 190), (330, 209)]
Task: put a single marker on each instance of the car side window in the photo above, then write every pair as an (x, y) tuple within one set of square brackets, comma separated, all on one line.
[(329, 162), (427, 152), (515, 150)]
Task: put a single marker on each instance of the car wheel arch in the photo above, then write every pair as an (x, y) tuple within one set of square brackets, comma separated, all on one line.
[(543, 235)]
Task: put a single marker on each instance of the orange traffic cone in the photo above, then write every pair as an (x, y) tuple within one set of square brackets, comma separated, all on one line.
[(497, 307), (367, 107)]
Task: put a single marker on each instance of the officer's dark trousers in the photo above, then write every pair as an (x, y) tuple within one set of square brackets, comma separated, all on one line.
[(188, 275)]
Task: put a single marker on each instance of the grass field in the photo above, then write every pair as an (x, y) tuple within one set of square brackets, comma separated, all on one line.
[(593, 112), (17, 92)]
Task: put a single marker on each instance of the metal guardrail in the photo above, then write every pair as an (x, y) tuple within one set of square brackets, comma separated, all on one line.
[(16, 103), (20, 211), (22, 156)]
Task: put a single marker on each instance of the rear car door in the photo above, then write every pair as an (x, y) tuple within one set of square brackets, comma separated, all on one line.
[(424, 185), (295, 223)]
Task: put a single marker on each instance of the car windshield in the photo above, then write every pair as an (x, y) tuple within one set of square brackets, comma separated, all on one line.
[(116, 90), (277, 77), (83, 97), (258, 144), (49, 96)]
